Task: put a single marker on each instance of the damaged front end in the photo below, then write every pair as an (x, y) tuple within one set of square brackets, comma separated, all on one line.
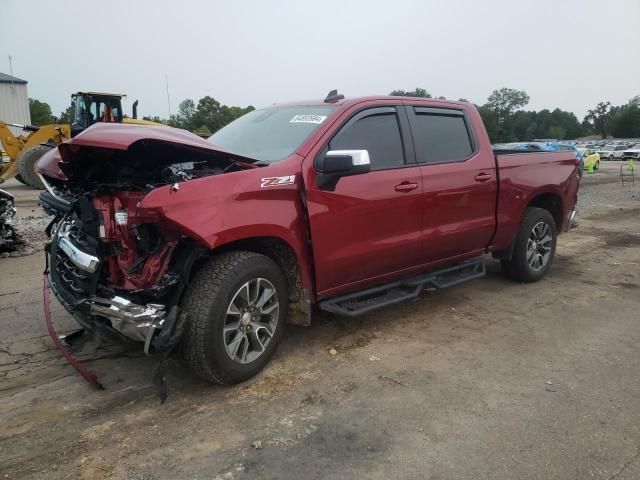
[(9, 239), (117, 268), (114, 273)]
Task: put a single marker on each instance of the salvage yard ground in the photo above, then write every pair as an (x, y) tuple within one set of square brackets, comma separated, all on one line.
[(488, 380)]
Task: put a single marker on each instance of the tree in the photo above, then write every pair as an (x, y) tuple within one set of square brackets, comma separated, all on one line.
[(418, 92), (69, 114), (506, 101), (490, 121), (599, 117), (40, 112), (184, 118), (626, 122)]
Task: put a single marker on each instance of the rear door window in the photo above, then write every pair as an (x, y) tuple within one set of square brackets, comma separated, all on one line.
[(440, 135)]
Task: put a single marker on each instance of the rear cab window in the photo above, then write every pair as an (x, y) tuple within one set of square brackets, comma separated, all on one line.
[(440, 135)]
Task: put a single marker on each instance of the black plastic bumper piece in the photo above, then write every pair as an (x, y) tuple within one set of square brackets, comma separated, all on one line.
[(364, 301)]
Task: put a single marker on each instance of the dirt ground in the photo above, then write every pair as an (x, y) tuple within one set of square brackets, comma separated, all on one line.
[(487, 380)]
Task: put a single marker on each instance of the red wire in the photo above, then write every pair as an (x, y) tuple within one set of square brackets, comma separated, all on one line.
[(87, 374)]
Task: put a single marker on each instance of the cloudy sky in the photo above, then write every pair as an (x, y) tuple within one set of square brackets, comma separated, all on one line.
[(564, 53)]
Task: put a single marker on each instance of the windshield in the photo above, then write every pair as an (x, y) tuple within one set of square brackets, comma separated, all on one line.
[(271, 134)]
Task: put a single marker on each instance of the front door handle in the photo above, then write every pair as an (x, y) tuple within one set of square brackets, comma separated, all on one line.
[(483, 177), (406, 187)]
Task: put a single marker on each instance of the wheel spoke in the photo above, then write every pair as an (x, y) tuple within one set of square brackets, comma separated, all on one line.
[(246, 339), (233, 310), (245, 348), (231, 327), (232, 348), (547, 239), (267, 294), (255, 336), (262, 327), (269, 308)]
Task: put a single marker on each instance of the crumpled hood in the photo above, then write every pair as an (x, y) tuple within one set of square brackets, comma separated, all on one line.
[(122, 137)]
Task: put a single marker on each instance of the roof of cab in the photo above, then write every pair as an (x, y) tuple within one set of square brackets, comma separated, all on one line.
[(348, 102)]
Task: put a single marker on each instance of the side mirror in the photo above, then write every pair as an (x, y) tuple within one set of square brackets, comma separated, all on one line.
[(336, 164)]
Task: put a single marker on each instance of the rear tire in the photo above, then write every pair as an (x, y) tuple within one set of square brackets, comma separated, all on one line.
[(27, 165), (213, 301), (20, 179), (534, 249)]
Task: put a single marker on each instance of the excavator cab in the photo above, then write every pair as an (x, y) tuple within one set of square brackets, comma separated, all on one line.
[(93, 107)]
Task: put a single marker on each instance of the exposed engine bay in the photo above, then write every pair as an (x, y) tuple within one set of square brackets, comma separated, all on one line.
[(9, 239), (114, 268), (144, 166), (117, 267)]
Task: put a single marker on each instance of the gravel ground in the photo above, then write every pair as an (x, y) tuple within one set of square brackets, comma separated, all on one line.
[(488, 380), (603, 191)]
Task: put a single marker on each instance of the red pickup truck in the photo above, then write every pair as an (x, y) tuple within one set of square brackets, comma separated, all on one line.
[(164, 238)]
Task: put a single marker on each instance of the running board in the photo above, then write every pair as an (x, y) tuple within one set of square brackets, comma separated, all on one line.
[(358, 303)]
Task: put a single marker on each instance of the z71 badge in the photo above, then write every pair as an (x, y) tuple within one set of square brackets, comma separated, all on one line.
[(275, 181)]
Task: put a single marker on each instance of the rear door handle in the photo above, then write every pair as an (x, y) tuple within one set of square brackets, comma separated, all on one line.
[(406, 187), (483, 177)]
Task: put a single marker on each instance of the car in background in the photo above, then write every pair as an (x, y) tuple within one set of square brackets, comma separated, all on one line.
[(633, 152), (611, 152), (594, 160), (591, 158)]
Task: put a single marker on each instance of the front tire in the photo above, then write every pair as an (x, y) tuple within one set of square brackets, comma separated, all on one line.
[(535, 247), (237, 306)]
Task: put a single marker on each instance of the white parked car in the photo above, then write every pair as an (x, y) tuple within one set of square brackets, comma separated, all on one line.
[(632, 152), (611, 152)]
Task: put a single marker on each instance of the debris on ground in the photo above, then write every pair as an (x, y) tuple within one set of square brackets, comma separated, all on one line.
[(384, 377), (257, 444), (333, 352), (9, 238)]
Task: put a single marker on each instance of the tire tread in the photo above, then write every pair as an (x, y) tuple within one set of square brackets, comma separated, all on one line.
[(201, 294)]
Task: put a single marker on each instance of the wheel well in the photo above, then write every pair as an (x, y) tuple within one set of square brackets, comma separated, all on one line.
[(552, 203), (277, 250)]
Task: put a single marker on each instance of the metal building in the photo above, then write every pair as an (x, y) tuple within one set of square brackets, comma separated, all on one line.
[(14, 101)]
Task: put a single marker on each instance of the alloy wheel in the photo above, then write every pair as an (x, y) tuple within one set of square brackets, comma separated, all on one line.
[(539, 246), (251, 320)]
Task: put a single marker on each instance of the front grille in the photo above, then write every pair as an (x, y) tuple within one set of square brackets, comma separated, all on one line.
[(71, 283), (74, 279)]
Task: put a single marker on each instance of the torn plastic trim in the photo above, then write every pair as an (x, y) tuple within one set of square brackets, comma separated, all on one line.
[(49, 188)]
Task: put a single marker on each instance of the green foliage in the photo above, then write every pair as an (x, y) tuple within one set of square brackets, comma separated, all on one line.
[(68, 115), (490, 120), (506, 101), (625, 123), (40, 112), (207, 116), (600, 117), (418, 92), (505, 121)]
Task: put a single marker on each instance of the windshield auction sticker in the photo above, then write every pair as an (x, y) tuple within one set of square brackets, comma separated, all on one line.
[(308, 119)]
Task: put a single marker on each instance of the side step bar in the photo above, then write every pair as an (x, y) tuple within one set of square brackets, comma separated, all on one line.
[(358, 303)]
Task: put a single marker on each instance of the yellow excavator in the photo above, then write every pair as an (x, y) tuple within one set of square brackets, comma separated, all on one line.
[(23, 151)]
